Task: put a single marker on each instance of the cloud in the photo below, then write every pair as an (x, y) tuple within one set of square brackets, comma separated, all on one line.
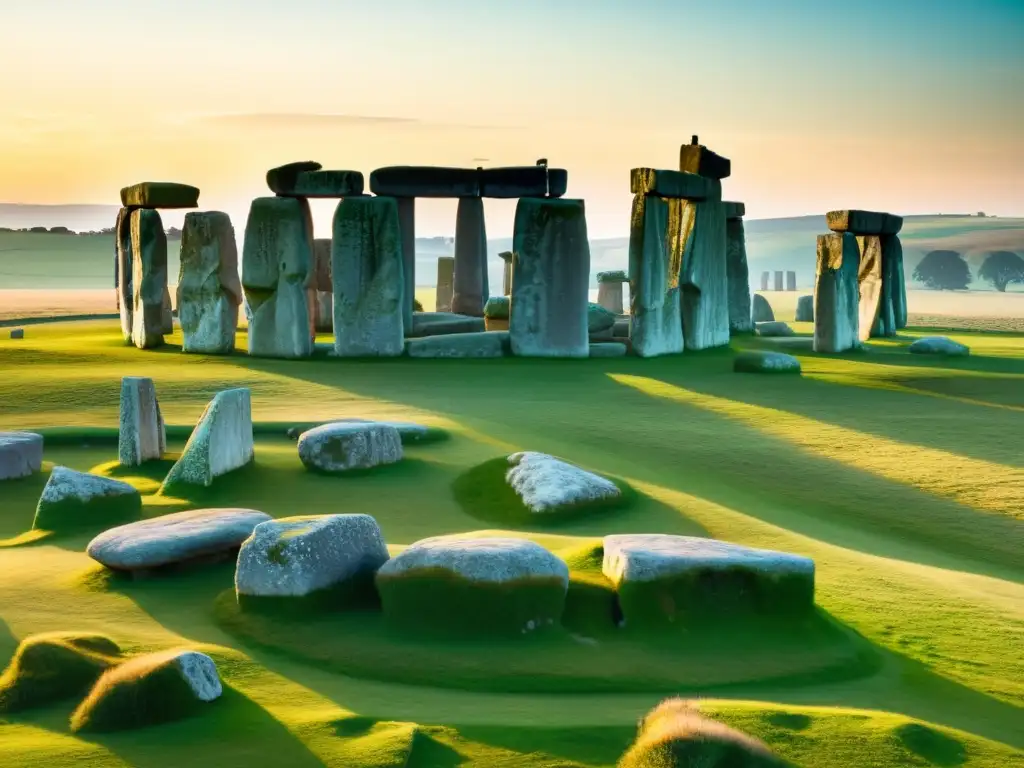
[(303, 120)]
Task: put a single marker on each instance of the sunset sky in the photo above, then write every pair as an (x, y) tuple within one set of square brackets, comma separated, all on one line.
[(905, 105)]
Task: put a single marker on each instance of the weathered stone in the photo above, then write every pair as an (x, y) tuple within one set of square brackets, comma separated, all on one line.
[(759, 361), (160, 194), (608, 349), (551, 276), (167, 313), (836, 294), (864, 222), (547, 484), (174, 538), (410, 431), (892, 246), (21, 454), (673, 184), (222, 441), (506, 281), (277, 275), (141, 433), (778, 280), (444, 323), (939, 345), (284, 177), (790, 280), (319, 183), (425, 181), (523, 181), (704, 279), (612, 276), (735, 210), (445, 284), (497, 307), (462, 345), (773, 328), (407, 229), (73, 499), (656, 243), (300, 556), (470, 278), (125, 269), (369, 286), (209, 290), (765, 277), (149, 278), (869, 284), (760, 309), (805, 309), (17, 333), (341, 447), (609, 290), (738, 275), (698, 159)]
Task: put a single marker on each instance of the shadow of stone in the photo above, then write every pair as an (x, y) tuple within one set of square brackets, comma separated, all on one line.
[(931, 745)]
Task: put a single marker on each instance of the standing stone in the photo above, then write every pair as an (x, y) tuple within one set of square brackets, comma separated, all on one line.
[(506, 282), (470, 280), (550, 279), (125, 268), (21, 454), (209, 290), (323, 296), (277, 274), (167, 313), (893, 311), (609, 290), (805, 309), (369, 286), (900, 293), (704, 281), (836, 293), (656, 243), (765, 279), (407, 225), (761, 310), (869, 283), (445, 284), (149, 278), (778, 280), (738, 275), (141, 434), (790, 281)]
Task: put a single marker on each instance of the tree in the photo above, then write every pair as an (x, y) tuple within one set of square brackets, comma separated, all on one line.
[(943, 271), (1002, 268)]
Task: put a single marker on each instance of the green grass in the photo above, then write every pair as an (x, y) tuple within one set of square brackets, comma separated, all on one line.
[(901, 477)]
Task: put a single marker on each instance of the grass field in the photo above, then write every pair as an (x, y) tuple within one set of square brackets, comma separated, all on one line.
[(901, 476)]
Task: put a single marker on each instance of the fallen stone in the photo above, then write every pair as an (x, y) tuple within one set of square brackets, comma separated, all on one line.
[(836, 294), (302, 556), (141, 435), (704, 279), (761, 310), (409, 431), (774, 328), (425, 181), (284, 177), (473, 585), (222, 441), (547, 484), (461, 345), (277, 275), (369, 284), (160, 194), (523, 181), (608, 349), (600, 319), (17, 333), (470, 276), (805, 309), (209, 291), (663, 578), (497, 307), (939, 345), (864, 222), (149, 278), (344, 446), (443, 323), (73, 499), (735, 211), (319, 183), (737, 273), (673, 184), (21, 454), (758, 361), (698, 159), (656, 244), (174, 538), (552, 276), (445, 286)]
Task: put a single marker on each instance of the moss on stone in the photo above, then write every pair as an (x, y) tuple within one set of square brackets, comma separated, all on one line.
[(497, 307)]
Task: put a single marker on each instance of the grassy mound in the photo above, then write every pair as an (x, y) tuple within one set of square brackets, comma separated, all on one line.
[(144, 691), (483, 493), (49, 667), (357, 593)]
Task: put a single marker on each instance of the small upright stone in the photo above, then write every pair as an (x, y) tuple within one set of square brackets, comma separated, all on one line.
[(761, 310), (778, 279), (74, 500), (341, 447), (209, 291), (496, 313), (506, 281), (222, 441), (21, 454), (160, 194), (704, 278), (656, 243), (141, 434), (805, 309), (836, 294), (790, 280), (149, 278), (445, 283), (17, 333), (765, 280), (369, 285), (609, 290), (470, 279), (737, 273), (551, 277)]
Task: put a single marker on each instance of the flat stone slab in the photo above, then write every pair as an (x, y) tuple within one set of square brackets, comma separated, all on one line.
[(409, 431), (439, 323), (283, 177), (425, 181), (160, 194), (494, 560), (296, 556), (613, 276), (482, 344), (174, 538), (321, 184), (759, 361), (548, 484), (523, 181), (774, 328), (608, 349), (698, 159), (71, 498), (21, 454), (673, 184), (864, 222), (939, 345), (735, 210), (344, 446)]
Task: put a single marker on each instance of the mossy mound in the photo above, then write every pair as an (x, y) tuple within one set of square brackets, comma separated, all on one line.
[(54, 666), (484, 493), (497, 308), (762, 361)]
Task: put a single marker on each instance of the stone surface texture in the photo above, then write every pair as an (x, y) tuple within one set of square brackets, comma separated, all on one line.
[(149, 278), (141, 433), (407, 230), (124, 269), (209, 290), (656, 244), (21, 454), (199, 672), (548, 484), (609, 296), (69, 484), (222, 441), (673, 184), (737, 274), (344, 446), (284, 177), (479, 344), (321, 183), (869, 284), (704, 280), (836, 294), (864, 222), (696, 158)]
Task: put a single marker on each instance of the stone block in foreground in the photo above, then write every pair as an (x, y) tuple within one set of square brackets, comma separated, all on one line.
[(209, 290), (656, 245), (869, 284), (72, 501), (481, 344), (21, 454), (141, 433), (549, 485), (160, 194), (758, 361), (341, 447)]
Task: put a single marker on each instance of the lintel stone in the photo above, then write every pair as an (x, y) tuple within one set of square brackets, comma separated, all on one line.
[(698, 159), (283, 177), (864, 222), (160, 194), (523, 181), (735, 211), (425, 181), (325, 184), (673, 184)]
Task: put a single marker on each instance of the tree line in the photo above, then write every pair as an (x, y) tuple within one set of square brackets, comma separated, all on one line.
[(172, 232), (948, 270)]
